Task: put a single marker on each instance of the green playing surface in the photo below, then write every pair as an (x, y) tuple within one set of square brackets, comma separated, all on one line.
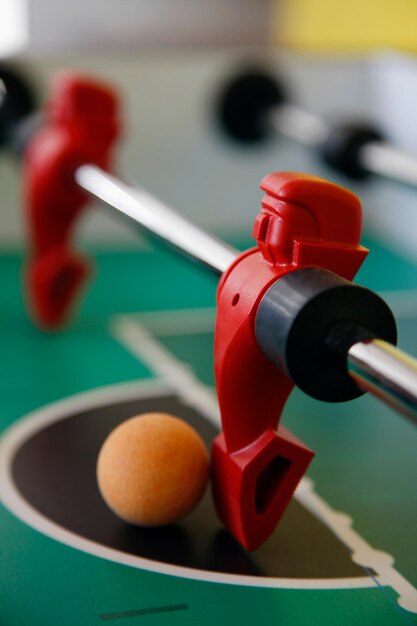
[(147, 314)]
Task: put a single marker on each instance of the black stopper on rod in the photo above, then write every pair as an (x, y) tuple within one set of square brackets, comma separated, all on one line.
[(342, 148), (17, 102), (244, 103), (308, 320)]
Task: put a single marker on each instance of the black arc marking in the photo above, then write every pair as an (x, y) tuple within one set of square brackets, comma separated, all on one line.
[(54, 470)]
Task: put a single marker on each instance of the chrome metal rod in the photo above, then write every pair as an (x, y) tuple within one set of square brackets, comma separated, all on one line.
[(386, 372), (299, 125), (376, 366), (157, 217), (386, 160), (377, 157)]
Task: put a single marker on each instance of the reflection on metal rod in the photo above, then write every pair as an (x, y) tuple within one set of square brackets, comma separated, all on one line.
[(386, 160), (299, 125), (160, 219), (386, 372)]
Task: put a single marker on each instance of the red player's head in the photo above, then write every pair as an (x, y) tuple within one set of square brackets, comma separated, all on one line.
[(300, 207), (84, 105)]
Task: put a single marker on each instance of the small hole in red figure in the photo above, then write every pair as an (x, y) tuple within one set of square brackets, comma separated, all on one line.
[(269, 481), (235, 299)]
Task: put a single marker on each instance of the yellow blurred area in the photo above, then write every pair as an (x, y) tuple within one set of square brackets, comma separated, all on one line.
[(353, 26)]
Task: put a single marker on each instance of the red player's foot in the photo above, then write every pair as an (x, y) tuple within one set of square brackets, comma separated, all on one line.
[(55, 281), (253, 486)]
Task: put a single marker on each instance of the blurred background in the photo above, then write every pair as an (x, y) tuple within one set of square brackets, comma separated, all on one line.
[(170, 58)]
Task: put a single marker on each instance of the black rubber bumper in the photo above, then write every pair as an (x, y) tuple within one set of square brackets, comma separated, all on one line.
[(308, 320)]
